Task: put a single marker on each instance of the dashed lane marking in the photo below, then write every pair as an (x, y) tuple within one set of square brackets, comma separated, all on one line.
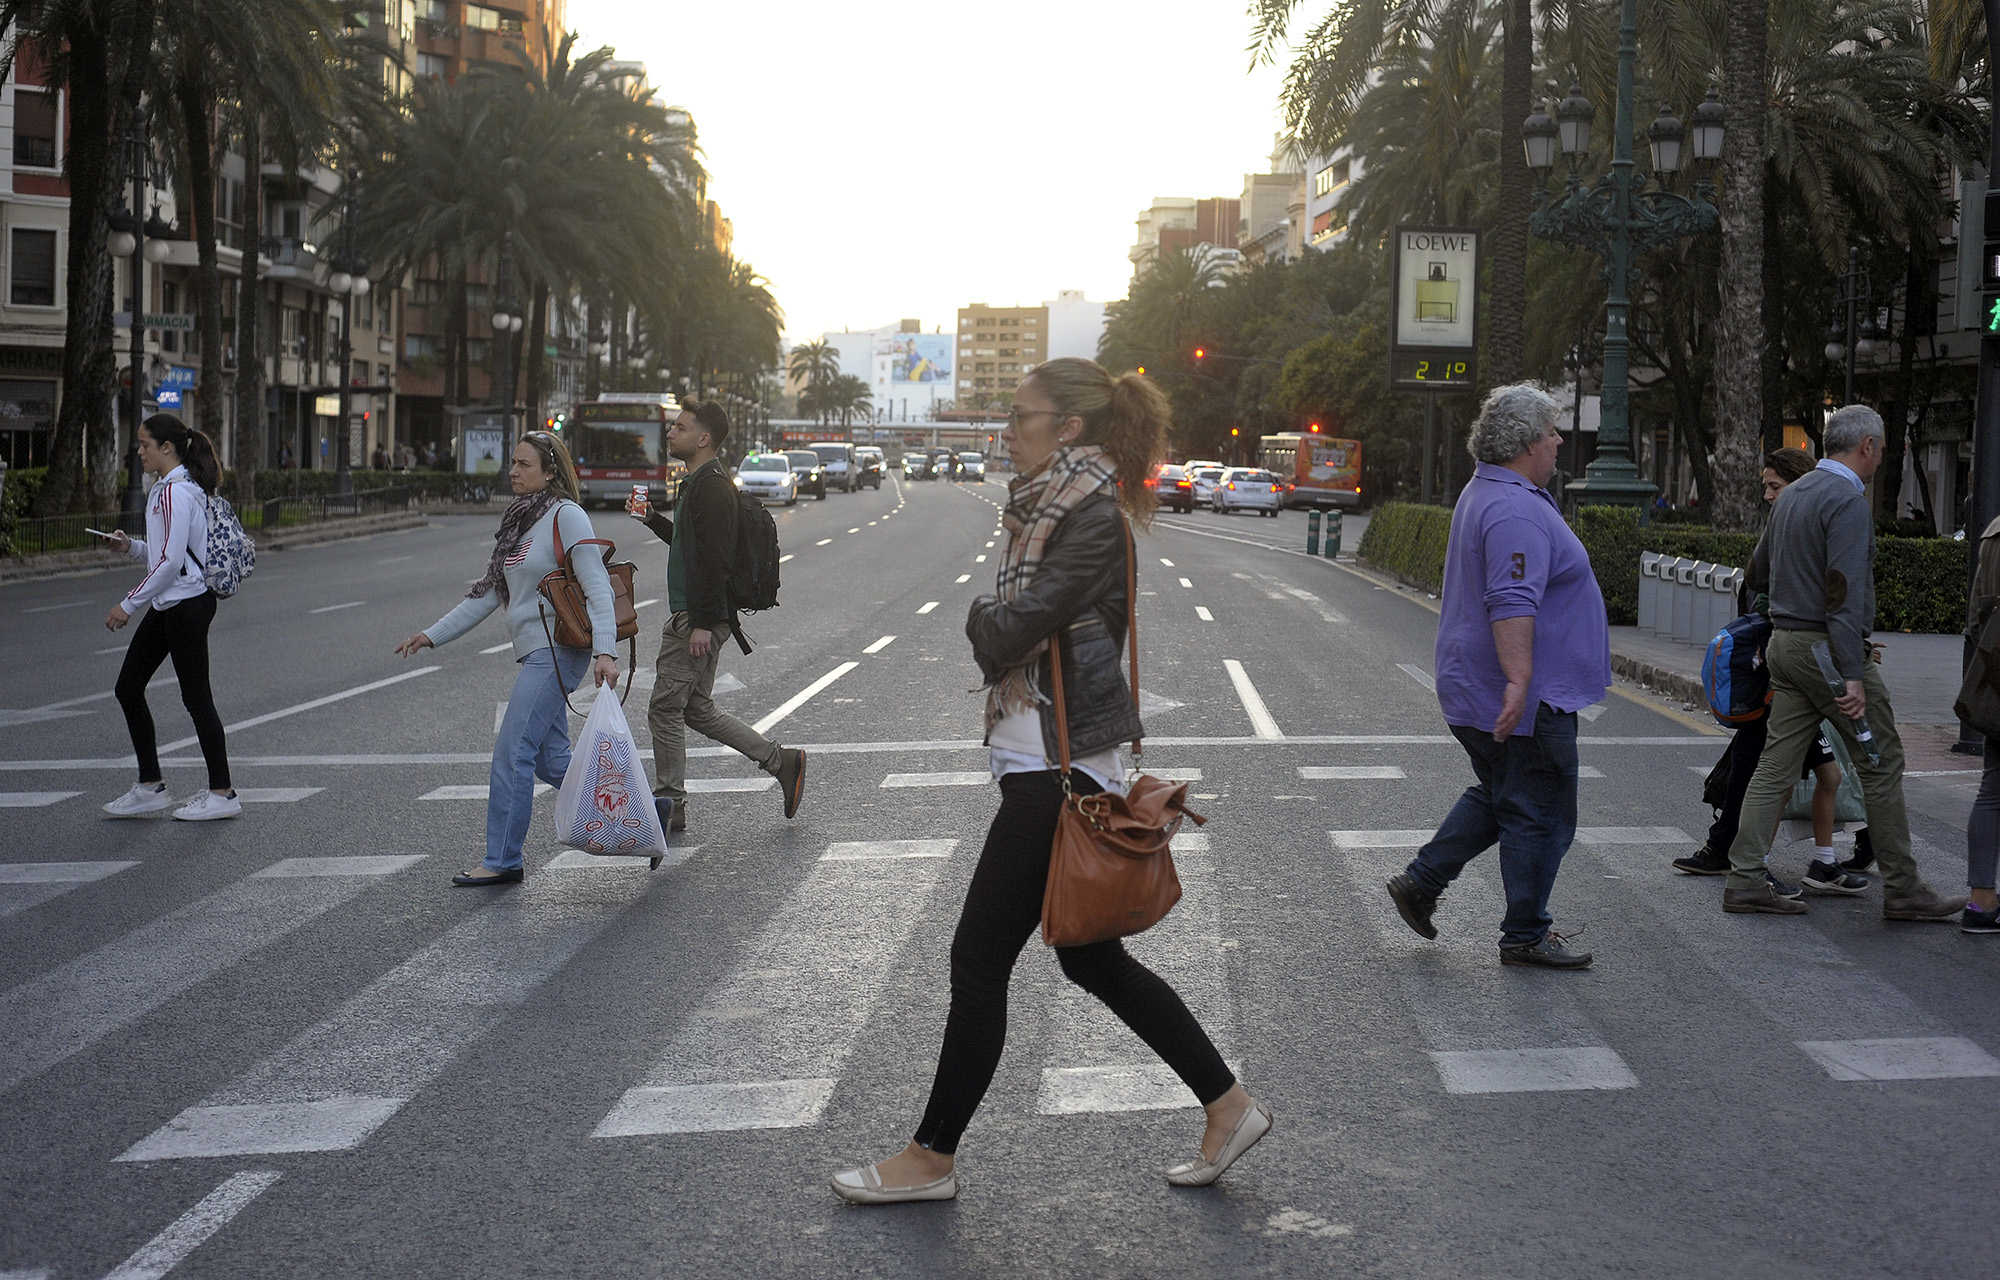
[(1417, 674), (802, 697), (964, 577), (192, 1229), (1348, 772), (928, 606), (1166, 562), (880, 645), (51, 608), (968, 778), (1202, 613), (335, 608), (784, 558), (314, 705), (824, 542), (1187, 583), (497, 648), (1253, 703)]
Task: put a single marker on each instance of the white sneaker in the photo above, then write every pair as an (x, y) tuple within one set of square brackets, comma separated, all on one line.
[(208, 806), (139, 801)]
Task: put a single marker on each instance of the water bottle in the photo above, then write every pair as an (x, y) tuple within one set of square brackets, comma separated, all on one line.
[(1836, 682)]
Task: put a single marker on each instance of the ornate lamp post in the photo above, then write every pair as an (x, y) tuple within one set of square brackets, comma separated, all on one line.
[(507, 322), (144, 242), (1618, 218), (349, 282), (1855, 336), (598, 345)]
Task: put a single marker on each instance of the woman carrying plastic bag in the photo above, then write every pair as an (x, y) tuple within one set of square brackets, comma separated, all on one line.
[(604, 805)]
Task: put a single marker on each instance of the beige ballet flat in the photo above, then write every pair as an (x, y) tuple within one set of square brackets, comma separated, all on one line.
[(864, 1186), (1254, 1124)]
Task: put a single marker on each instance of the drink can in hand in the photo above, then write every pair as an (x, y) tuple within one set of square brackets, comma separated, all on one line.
[(639, 498)]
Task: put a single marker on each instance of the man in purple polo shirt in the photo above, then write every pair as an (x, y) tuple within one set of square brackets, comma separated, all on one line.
[(1522, 646)]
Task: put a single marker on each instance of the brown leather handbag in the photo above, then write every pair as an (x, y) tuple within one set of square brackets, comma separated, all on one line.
[(562, 594), (1110, 870)]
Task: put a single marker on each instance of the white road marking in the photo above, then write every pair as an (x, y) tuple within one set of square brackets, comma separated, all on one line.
[(989, 543), (472, 791), (1532, 1070), (1166, 562), (969, 778), (928, 606), (855, 529), (802, 697), (1187, 583), (1203, 614), (31, 800), (1349, 772), (1410, 839), (886, 850), (314, 705), (824, 542), (1417, 674), (1591, 712), (275, 795), (880, 645), (335, 608), (1327, 613), (764, 1048), (1185, 841), (497, 648), (398, 559), (29, 884), (499, 714), (1261, 722), (1589, 771), (66, 709), (364, 864), (338, 1081), (964, 577), (51, 608), (784, 558), (116, 648), (75, 1005), (979, 559), (1903, 1058), (578, 860), (719, 786), (1175, 775), (646, 604), (192, 1229)]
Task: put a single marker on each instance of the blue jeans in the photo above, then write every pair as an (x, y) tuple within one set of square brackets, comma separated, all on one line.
[(533, 743), (1525, 800)]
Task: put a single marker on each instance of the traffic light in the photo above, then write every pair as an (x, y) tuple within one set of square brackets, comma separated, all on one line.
[(1989, 269), (1142, 368), (1233, 432), (1200, 353), (1314, 428)]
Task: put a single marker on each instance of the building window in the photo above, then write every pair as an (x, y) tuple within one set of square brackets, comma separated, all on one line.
[(35, 130), (31, 271), (477, 350), (418, 346), (480, 18), (434, 10), (426, 293), (434, 65)]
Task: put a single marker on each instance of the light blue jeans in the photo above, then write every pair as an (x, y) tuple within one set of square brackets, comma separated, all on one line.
[(533, 743)]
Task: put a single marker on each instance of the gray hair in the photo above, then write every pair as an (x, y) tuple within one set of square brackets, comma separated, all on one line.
[(1511, 419), (1848, 426)]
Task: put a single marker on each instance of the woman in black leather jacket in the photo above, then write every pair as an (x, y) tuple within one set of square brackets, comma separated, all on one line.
[(1083, 445)]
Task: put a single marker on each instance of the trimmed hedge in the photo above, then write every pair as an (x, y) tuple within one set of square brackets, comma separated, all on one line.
[(1919, 582), (15, 499)]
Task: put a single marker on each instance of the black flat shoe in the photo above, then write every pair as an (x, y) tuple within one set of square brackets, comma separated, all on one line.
[(465, 880)]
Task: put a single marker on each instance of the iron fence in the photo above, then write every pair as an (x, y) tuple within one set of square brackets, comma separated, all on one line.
[(67, 533)]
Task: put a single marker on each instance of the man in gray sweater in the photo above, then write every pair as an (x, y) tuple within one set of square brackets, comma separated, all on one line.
[(1822, 545)]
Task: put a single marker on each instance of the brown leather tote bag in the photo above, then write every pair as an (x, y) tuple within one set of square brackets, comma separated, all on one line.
[(1110, 871), (562, 595)]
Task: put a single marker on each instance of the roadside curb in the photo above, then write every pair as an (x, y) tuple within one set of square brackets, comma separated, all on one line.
[(71, 564)]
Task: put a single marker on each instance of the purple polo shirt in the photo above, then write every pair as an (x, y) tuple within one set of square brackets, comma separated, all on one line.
[(1512, 556)]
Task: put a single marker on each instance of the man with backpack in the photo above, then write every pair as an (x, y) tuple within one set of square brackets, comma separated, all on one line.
[(707, 574)]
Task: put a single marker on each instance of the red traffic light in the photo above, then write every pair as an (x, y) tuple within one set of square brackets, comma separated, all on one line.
[(1234, 432), (1200, 352), (1315, 428)]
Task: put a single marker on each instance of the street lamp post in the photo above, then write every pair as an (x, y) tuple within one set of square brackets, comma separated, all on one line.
[(1618, 219), (349, 282), (1855, 336), (144, 241), (506, 320)]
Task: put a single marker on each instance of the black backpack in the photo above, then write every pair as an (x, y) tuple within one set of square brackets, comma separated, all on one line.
[(753, 581)]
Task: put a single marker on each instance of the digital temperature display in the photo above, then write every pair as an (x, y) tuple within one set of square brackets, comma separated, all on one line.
[(1446, 369)]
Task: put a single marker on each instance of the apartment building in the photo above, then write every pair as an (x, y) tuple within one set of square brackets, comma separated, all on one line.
[(996, 345), (1173, 223), (1273, 206)]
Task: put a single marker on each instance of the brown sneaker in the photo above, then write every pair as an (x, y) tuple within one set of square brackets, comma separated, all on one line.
[(1762, 899), (792, 777), (1922, 905)]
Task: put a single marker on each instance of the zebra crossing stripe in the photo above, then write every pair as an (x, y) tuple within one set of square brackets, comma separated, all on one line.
[(192, 1229), (967, 778), (34, 799), (1408, 838), (29, 884), (341, 1079), (70, 1008), (776, 1067)]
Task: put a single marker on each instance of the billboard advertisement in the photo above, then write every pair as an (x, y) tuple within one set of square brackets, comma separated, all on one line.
[(916, 357)]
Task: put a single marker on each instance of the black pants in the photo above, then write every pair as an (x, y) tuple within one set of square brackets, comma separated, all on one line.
[(1744, 750), (1003, 908), (180, 632)]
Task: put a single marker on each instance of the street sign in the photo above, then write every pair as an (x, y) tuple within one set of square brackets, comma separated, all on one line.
[(176, 321), (1434, 309)]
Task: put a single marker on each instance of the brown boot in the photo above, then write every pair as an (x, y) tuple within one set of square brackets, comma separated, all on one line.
[(1922, 904), (1762, 899)]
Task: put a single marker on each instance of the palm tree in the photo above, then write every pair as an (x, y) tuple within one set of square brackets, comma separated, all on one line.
[(1740, 356), (815, 364), (848, 396)]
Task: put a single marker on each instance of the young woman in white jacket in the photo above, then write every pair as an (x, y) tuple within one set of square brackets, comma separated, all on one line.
[(178, 607), (534, 733)]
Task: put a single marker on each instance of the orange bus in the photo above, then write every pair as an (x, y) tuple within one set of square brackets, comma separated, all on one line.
[(620, 440), (1325, 471)]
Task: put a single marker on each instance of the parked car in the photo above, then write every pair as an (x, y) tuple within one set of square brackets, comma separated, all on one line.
[(811, 473), (870, 459), (1248, 489), (837, 457), (1202, 479), (1170, 484), (917, 466), (768, 476), (972, 466)]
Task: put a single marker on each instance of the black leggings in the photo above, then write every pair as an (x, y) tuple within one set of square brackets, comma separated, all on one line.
[(180, 632), (1003, 908)]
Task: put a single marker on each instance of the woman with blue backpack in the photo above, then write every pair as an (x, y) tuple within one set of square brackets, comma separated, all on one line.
[(178, 606)]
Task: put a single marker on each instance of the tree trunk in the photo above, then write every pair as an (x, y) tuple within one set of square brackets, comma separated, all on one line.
[(455, 378), (88, 369), (590, 366), (1507, 297), (251, 429), (198, 121), (1773, 363), (1896, 415), (531, 353), (1740, 339)]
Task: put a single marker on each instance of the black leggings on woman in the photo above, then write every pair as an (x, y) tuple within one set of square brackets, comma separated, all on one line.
[(1003, 908), (179, 631)]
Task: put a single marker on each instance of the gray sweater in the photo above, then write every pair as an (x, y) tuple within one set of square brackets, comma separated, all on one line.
[(1822, 548), (535, 560)]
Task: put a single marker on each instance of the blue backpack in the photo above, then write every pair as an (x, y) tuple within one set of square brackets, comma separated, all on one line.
[(232, 556), (1733, 674)]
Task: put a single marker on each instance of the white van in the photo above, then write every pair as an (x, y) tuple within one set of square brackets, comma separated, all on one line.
[(842, 469)]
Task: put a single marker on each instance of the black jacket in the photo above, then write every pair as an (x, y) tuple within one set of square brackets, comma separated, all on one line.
[(711, 518), (1078, 592)]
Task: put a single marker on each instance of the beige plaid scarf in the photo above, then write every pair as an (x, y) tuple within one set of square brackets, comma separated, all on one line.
[(1036, 505)]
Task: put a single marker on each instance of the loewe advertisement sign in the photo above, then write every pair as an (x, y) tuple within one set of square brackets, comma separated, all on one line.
[(1434, 322)]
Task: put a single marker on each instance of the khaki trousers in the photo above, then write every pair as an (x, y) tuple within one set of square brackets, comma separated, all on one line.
[(681, 701), (1800, 699)]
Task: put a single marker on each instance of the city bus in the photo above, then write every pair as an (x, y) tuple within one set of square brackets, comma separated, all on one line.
[(1325, 471), (620, 440)]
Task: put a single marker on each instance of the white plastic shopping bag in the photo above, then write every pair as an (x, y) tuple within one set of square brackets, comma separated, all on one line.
[(604, 805)]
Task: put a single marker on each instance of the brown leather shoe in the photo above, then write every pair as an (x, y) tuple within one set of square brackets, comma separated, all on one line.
[(1761, 900), (1922, 905), (792, 777)]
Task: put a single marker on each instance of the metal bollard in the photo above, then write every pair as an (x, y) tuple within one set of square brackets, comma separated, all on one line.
[(1312, 532), (1722, 606), (1333, 535), (1649, 589), (1704, 591), (1683, 618)]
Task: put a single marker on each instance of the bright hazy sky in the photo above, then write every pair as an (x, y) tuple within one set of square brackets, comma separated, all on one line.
[(834, 141)]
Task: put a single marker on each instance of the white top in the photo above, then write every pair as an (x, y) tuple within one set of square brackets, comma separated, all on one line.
[(176, 535), (533, 560), (1015, 746)]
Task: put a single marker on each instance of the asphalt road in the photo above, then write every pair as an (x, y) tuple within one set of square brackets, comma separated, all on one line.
[(285, 1046)]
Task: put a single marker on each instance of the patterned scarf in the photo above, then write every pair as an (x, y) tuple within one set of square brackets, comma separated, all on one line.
[(1036, 504), (514, 526)]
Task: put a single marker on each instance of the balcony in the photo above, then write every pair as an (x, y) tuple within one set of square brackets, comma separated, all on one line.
[(290, 259)]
